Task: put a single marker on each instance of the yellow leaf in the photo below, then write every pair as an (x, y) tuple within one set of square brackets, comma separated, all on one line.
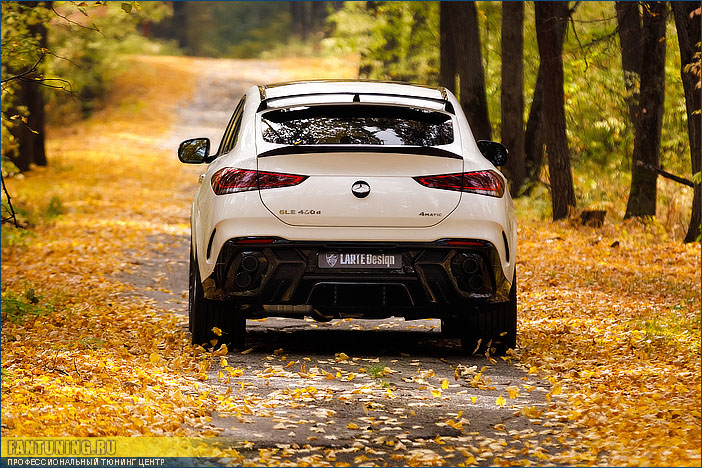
[(533, 370), (456, 425), (436, 393), (341, 356), (531, 412), (217, 331), (472, 399), (222, 350), (500, 401), (352, 426), (223, 363), (444, 384), (512, 391), (247, 351), (154, 358)]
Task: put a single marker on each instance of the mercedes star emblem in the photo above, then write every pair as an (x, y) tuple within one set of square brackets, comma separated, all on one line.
[(360, 189)]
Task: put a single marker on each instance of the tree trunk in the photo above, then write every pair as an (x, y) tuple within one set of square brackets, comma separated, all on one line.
[(630, 44), (470, 69), (449, 29), (688, 37), (180, 24), (30, 134), (469, 65), (300, 18), (35, 99), (647, 140), (512, 99), (550, 18), (534, 134), (318, 13)]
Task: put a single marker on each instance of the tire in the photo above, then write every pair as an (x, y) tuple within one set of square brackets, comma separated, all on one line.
[(451, 327), (494, 324), (205, 314)]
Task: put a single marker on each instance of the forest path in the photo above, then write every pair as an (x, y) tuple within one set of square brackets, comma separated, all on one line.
[(361, 391)]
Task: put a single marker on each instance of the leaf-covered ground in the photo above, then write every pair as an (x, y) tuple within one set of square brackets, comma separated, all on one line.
[(609, 316)]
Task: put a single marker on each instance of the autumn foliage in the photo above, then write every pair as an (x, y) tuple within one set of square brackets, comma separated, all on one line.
[(609, 316)]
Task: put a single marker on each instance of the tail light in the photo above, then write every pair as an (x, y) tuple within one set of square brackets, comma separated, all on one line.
[(232, 180), (480, 182)]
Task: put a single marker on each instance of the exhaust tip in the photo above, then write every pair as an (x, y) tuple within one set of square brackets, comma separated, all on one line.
[(470, 265), (243, 279), (476, 282), (249, 263)]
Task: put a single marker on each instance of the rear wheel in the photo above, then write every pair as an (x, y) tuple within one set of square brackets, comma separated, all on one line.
[(494, 325), (451, 327), (205, 314)]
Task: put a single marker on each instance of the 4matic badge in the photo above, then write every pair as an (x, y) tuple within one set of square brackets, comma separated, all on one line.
[(424, 213)]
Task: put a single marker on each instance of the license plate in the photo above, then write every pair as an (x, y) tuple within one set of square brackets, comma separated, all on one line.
[(362, 260)]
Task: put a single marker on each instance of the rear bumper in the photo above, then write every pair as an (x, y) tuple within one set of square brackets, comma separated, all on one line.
[(434, 278)]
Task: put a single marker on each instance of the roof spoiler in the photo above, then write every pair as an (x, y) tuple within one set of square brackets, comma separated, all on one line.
[(307, 149), (448, 107)]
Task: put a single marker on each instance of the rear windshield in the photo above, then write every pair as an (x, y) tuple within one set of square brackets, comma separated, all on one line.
[(357, 124)]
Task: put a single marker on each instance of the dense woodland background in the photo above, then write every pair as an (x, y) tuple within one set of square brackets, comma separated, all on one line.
[(96, 97), (598, 102)]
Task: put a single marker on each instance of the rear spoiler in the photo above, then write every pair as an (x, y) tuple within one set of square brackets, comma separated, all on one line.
[(307, 149), (448, 107)]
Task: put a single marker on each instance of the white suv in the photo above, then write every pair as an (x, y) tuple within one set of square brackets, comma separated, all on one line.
[(352, 199)]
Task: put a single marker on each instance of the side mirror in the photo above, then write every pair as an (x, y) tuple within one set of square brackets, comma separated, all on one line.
[(493, 151), (194, 151)]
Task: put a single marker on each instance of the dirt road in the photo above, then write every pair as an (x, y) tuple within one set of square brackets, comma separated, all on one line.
[(363, 392)]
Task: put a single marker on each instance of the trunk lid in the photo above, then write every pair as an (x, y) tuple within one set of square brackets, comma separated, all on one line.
[(386, 195)]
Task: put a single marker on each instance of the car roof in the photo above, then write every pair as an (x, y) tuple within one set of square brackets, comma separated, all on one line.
[(317, 88)]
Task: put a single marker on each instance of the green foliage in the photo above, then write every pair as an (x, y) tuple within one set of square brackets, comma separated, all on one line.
[(55, 208), (21, 52), (6, 375), (15, 237), (28, 217), (20, 307), (237, 29), (79, 53), (376, 371), (88, 55), (676, 325), (398, 41)]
